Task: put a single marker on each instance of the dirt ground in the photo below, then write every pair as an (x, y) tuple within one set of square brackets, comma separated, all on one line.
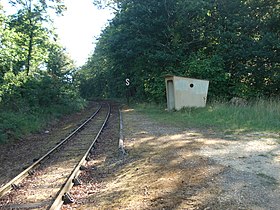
[(179, 168), (175, 168)]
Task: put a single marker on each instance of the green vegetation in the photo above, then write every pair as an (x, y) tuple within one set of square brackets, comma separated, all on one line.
[(36, 73), (259, 116), (234, 44), (14, 125)]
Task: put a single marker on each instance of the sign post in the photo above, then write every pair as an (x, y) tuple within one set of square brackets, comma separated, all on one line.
[(127, 83)]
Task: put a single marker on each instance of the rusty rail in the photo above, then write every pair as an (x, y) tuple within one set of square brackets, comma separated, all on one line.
[(13, 183), (63, 193)]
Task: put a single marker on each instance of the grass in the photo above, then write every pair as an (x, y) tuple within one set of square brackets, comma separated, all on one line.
[(14, 125), (262, 115)]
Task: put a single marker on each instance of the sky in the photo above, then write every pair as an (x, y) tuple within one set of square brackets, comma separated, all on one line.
[(78, 27)]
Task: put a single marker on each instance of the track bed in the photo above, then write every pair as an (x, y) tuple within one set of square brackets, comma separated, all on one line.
[(39, 190)]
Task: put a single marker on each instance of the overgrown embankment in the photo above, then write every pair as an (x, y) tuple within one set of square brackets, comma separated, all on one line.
[(16, 124), (27, 104), (36, 72)]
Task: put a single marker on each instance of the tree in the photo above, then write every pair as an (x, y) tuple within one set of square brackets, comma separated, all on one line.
[(247, 41), (59, 64), (36, 70), (234, 44), (29, 22), (36, 73)]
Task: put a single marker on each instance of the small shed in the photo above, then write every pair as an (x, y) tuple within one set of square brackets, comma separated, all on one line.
[(185, 92)]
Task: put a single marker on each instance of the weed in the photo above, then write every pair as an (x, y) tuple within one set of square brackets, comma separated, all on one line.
[(260, 115), (14, 125)]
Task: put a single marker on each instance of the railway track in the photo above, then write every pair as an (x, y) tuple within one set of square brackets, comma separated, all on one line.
[(46, 183)]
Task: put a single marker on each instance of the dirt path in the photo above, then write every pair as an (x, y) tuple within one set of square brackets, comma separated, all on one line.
[(253, 175), (174, 168)]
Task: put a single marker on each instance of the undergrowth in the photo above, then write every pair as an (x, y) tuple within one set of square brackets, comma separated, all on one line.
[(15, 124), (260, 115)]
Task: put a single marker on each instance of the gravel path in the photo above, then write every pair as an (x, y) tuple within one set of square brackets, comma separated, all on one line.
[(253, 175)]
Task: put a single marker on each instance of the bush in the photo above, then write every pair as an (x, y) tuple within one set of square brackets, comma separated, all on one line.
[(210, 68), (27, 103)]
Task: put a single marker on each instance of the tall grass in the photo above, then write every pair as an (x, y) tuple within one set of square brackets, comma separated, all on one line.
[(260, 115), (14, 125)]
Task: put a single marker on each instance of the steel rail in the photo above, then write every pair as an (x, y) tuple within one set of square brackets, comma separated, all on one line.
[(12, 184), (59, 200)]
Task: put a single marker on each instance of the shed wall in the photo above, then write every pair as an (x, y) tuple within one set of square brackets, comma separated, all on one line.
[(188, 92)]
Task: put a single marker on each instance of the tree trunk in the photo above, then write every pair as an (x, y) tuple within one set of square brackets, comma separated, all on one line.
[(31, 35), (29, 56)]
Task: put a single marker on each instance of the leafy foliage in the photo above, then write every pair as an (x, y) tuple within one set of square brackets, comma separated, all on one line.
[(35, 70), (234, 44), (213, 69)]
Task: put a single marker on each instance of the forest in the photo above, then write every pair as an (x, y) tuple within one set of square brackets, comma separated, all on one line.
[(36, 83), (234, 44)]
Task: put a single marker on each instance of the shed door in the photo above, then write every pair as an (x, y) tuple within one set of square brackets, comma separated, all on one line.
[(170, 95)]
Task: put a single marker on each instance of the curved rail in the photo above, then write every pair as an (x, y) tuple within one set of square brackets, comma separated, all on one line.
[(63, 193), (12, 184)]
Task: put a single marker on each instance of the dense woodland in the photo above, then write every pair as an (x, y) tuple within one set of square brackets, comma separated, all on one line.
[(35, 70), (233, 43)]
